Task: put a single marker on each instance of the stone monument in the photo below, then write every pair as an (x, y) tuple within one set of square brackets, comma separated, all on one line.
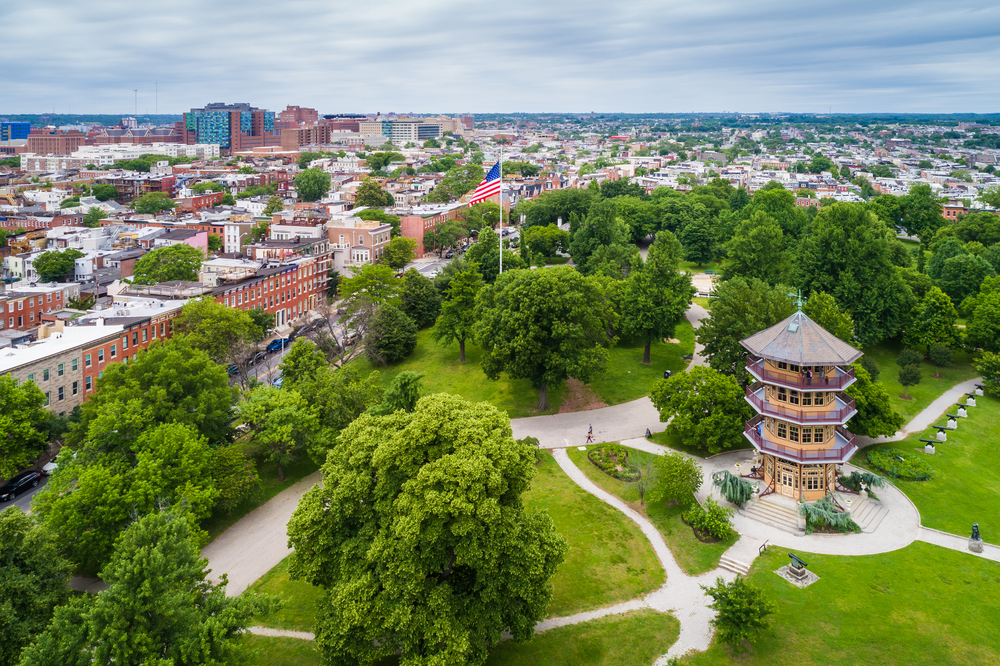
[(975, 541)]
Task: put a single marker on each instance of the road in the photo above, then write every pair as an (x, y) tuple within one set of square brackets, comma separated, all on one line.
[(24, 500)]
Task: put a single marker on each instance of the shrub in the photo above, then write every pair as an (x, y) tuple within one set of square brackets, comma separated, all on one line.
[(712, 519), (825, 514), (858, 480), (391, 335), (733, 488), (678, 478), (900, 464), (742, 610), (612, 459)]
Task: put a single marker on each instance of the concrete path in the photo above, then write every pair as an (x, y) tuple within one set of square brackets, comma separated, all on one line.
[(611, 424), (257, 542), (955, 542), (933, 414), (281, 633)]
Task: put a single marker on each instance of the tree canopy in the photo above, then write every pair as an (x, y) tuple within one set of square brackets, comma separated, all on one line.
[(458, 311), (370, 193), (22, 415), (312, 184), (420, 540), (704, 408), (56, 265), (165, 264), (544, 326), (457, 182), (152, 203)]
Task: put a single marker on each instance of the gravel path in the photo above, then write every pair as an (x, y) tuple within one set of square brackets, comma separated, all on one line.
[(281, 633)]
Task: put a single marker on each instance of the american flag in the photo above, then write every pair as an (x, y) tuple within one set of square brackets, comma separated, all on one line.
[(489, 187)]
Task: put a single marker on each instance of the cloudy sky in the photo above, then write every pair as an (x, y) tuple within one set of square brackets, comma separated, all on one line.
[(541, 55)]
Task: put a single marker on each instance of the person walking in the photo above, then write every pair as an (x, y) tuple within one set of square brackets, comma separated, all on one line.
[(590, 435)]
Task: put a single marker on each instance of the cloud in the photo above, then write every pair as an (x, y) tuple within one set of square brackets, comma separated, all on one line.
[(450, 56)]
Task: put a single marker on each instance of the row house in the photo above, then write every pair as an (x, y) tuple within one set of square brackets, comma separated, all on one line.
[(135, 185), (23, 306), (287, 291), (357, 241)]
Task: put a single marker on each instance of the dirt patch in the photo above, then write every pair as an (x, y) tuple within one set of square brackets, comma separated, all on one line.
[(579, 397), (672, 341)]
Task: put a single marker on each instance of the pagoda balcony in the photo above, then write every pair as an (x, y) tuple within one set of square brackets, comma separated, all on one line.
[(839, 450), (837, 413), (840, 379)]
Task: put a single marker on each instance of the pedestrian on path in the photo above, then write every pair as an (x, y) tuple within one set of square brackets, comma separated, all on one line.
[(590, 435)]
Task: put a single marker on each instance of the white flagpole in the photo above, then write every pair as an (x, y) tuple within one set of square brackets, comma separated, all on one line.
[(500, 162)]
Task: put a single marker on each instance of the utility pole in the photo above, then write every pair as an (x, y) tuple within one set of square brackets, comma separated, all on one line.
[(136, 101)]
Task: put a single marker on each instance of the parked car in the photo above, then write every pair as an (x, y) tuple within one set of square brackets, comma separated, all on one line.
[(450, 254), (257, 357), (61, 457), (277, 382), (278, 345), (18, 485), (233, 370)]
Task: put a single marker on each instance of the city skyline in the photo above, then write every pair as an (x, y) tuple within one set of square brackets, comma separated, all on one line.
[(644, 57)]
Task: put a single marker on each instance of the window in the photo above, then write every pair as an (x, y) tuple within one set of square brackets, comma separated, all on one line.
[(59, 370), (793, 397), (20, 321), (829, 397), (31, 302), (227, 301), (782, 430), (793, 433), (807, 435), (807, 399), (48, 298), (89, 382), (135, 339), (20, 305), (100, 374), (31, 377), (144, 334), (793, 368), (769, 423), (818, 434), (782, 394), (114, 351), (86, 361), (45, 375), (100, 356), (161, 329), (61, 393), (76, 387), (47, 396), (31, 316)]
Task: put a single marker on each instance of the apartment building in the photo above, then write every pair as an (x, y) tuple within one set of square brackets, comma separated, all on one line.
[(24, 304), (50, 141), (234, 127), (356, 241)]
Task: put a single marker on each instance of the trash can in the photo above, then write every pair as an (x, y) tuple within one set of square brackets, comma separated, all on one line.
[(666, 374)]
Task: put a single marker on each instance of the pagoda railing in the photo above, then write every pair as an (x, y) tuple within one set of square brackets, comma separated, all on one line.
[(842, 450), (804, 416), (841, 379)]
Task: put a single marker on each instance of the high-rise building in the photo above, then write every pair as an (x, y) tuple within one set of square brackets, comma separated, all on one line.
[(234, 127), (12, 131)]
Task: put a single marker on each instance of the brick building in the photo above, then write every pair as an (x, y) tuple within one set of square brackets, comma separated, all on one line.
[(234, 127), (23, 306), (50, 141)]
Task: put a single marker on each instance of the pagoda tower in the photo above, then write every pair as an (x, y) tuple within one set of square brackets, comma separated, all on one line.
[(801, 371)]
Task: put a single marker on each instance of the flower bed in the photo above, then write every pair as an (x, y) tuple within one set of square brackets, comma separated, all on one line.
[(612, 459), (898, 464)]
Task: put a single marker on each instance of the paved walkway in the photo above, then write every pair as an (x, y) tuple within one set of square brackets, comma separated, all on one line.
[(257, 542), (933, 414)]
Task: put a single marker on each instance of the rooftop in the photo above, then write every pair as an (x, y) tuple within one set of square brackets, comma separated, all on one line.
[(800, 340), (57, 343)]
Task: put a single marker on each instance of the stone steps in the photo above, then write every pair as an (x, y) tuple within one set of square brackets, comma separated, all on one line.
[(774, 513), (869, 514), (734, 565)]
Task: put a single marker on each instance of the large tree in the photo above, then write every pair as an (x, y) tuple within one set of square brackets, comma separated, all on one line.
[(373, 283), (312, 184), (703, 408), (175, 382), (279, 420), (545, 241), (921, 212), (757, 250), (117, 476), (370, 193), (932, 321), (159, 608), (22, 415), (165, 264), (420, 540), (848, 255), (391, 335), (698, 240), (152, 203), (655, 297), (420, 301), (984, 323), (486, 253), (55, 265), (458, 312), (549, 207), (457, 182), (544, 326), (34, 580), (603, 226), (740, 308), (822, 308), (216, 329), (399, 252)]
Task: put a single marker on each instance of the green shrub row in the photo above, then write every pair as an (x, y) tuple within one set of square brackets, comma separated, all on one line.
[(898, 464), (712, 519), (612, 459)]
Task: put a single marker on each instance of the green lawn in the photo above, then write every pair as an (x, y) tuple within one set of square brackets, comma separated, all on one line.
[(919, 605), (692, 267), (693, 555), (702, 301), (219, 521), (928, 389), (626, 377), (966, 485), (268, 651), (638, 638), (299, 611), (609, 559)]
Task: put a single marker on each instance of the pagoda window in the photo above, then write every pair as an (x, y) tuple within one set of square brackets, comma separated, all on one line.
[(793, 397), (807, 400), (829, 397), (793, 368), (818, 434), (807, 435), (814, 481), (782, 365), (770, 466), (769, 422), (782, 430), (793, 433), (782, 394)]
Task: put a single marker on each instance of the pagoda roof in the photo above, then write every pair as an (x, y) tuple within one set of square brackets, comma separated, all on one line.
[(800, 340)]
